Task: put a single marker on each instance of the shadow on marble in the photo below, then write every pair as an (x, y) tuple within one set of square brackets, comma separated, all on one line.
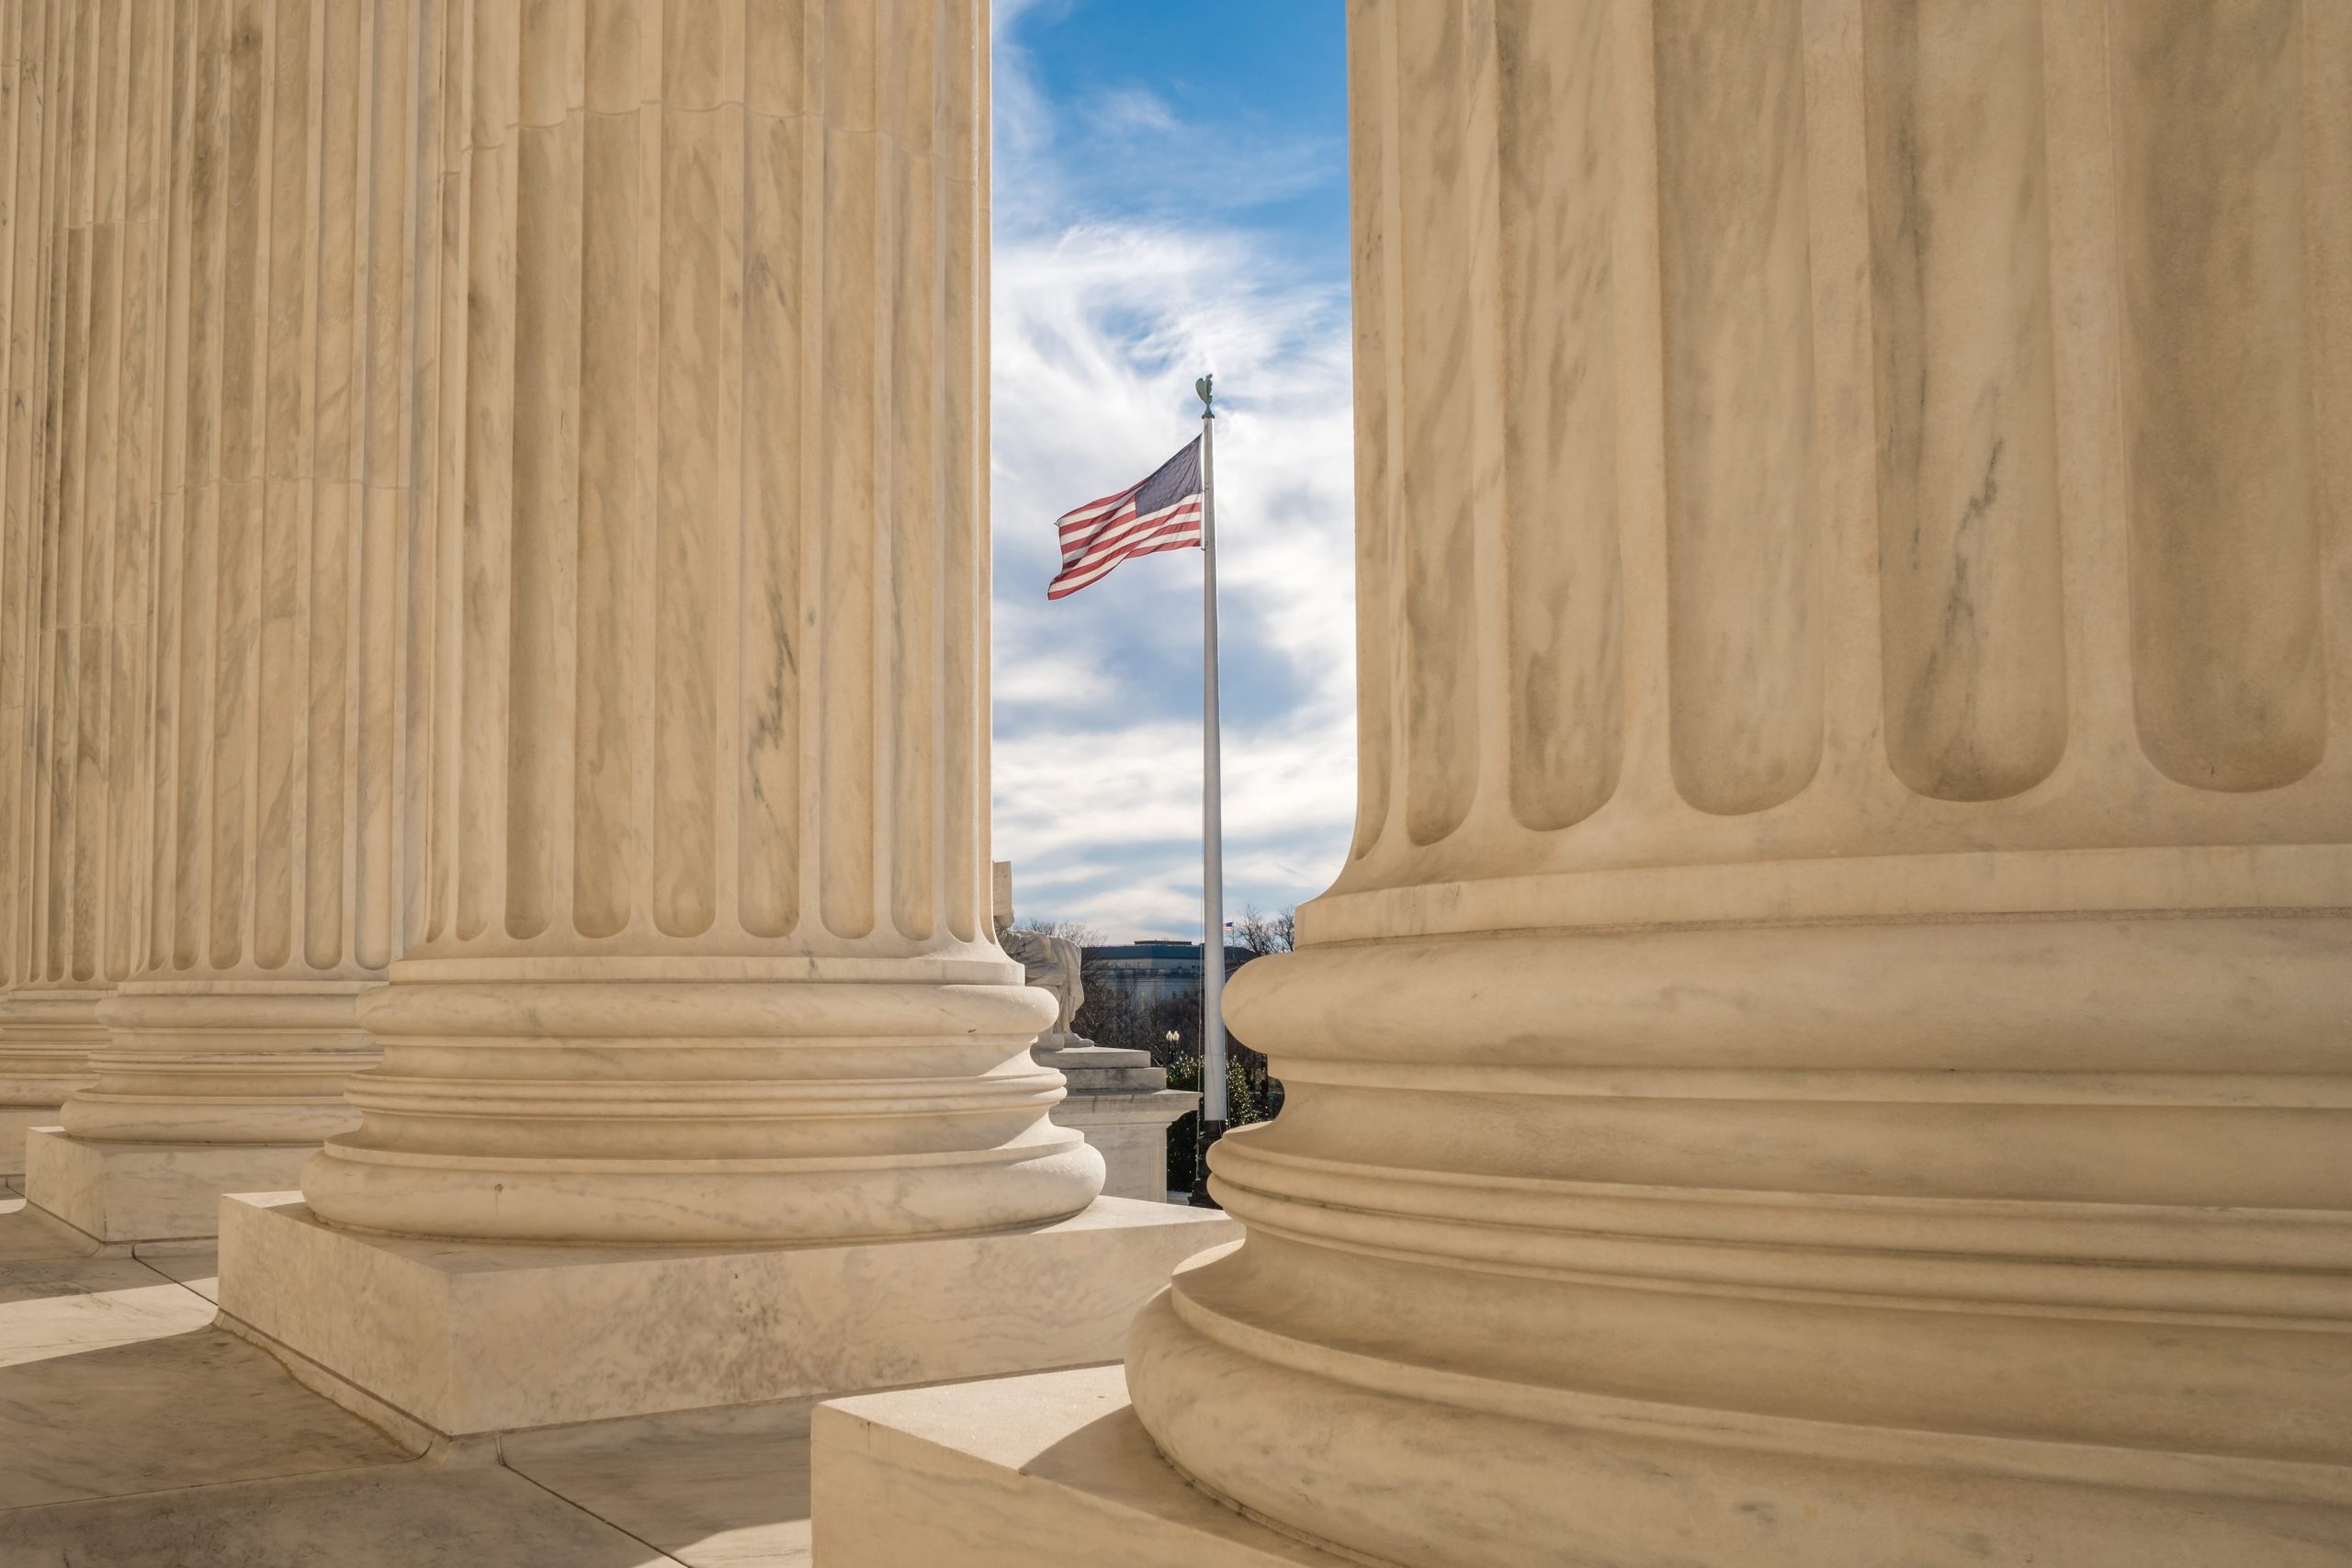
[(192, 1407), (61, 1307), (718, 1489), (26, 1234), (978, 1474), (421, 1514), (198, 1270)]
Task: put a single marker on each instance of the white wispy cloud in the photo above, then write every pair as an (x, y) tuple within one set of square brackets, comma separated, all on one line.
[(1104, 311)]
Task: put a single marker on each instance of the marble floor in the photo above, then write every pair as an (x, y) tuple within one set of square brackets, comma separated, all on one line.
[(139, 1436)]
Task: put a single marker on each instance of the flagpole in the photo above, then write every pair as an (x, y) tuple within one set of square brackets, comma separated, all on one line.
[(1213, 1107)]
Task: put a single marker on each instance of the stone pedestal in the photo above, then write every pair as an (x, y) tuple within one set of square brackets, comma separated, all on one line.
[(469, 1337), (116, 1192), (1828, 1047), (1123, 1106)]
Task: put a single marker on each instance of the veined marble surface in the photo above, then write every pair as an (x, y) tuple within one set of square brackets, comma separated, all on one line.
[(138, 1436)]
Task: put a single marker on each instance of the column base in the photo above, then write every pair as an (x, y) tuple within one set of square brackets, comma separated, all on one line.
[(466, 1338), (1124, 1107), (1056, 1468), (1049, 1467), (17, 1123), (137, 1191)]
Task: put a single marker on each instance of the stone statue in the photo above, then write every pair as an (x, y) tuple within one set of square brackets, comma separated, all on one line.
[(1051, 963)]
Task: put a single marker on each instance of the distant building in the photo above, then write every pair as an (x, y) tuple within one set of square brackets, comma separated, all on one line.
[(1153, 972)]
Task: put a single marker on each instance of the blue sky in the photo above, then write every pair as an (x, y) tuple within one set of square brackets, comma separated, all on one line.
[(1170, 192)]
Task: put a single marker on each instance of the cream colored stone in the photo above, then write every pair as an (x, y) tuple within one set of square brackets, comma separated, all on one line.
[(230, 1411), (470, 1337), (713, 1489), (59, 1309), (1055, 1468), (1049, 1467), (272, 368), (151, 1192), (698, 946), (456, 1512), (30, 1236), (1122, 1102), (80, 494), (46, 1037), (1827, 1046), (222, 1062), (15, 1120)]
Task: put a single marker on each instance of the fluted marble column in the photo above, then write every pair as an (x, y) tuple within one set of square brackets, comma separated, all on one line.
[(1830, 1044), (24, 102), (293, 139), (83, 334), (701, 948)]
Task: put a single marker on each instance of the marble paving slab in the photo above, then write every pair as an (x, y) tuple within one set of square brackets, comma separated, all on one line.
[(134, 1434), (185, 1409), (416, 1515), (27, 1234), (199, 1272), (62, 1307), (714, 1490)]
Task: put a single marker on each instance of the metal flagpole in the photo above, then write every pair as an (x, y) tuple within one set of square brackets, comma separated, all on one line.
[(1212, 1121)]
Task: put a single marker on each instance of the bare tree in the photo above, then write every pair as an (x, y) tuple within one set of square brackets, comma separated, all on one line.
[(1264, 933), (1077, 932)]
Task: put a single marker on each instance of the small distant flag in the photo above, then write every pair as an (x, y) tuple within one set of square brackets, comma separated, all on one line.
[(1163, 512)]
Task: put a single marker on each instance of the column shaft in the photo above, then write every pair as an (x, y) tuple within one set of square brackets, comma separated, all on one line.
[(24, 105), (293, 146), (82, 489), (697, 700), (1830, 1036)]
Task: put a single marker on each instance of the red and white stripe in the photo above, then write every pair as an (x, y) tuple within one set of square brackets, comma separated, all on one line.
[(1101, 534)]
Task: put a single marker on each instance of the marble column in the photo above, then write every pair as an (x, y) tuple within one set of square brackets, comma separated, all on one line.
[(24, 103), (292, 140), (82, 485), (1830, 1044), (701, 949)]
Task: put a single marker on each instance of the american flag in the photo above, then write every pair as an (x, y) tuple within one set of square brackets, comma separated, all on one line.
[(1163, 513)]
